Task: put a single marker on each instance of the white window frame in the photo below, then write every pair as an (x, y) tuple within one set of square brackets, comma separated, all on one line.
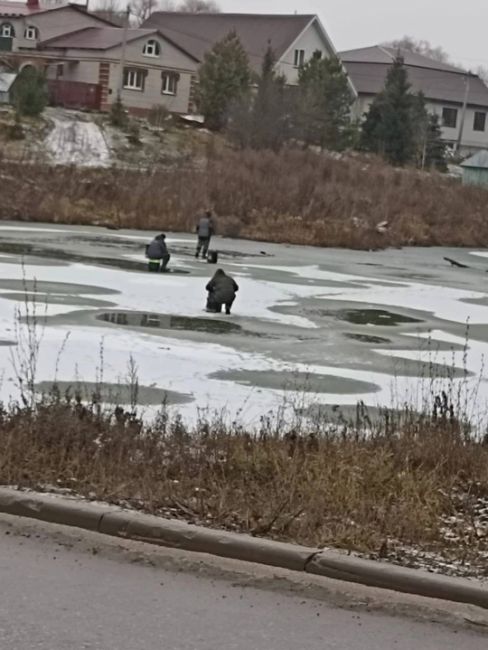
[(7, 27), (151, 48), (134, 76), (31, 33), (298, 58), (169, 83)]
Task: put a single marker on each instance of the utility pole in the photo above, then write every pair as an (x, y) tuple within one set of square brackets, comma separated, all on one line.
[(122, 54), (463, 113)]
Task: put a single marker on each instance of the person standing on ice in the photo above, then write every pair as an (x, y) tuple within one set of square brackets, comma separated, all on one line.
[(205, 230), (157, 253), (222, 290)]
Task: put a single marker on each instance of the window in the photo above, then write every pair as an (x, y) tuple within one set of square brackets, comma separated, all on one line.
[(169, 83), (299, 58), (59, 70), (30, 33), (479, 122), (7, 30), (151, 48), (449, 117), (134, 78)]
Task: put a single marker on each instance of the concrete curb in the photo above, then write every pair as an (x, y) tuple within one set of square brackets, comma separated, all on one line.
[(177, 534)]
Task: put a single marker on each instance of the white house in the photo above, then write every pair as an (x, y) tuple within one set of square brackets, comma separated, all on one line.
[(447, 90), (294, 38)]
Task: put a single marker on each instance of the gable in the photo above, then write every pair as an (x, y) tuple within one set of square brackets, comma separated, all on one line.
[(197, 33)]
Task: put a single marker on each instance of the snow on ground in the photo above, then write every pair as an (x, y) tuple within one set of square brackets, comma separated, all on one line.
[(442, 302), (76, 142), (184, 366)]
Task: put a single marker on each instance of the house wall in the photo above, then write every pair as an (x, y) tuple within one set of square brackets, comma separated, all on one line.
[(311, 40), (472, 140), (50, 24), (103, 67)]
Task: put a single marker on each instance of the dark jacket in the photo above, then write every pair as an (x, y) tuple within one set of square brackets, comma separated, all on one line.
[(205, 227), (157, 249), (222, 287)]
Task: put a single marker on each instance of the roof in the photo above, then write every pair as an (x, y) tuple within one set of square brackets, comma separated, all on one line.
[(95, 38), (388, 55), (6, 81), (368, 68), (18, 9), (479, 160), (198, 32), (13, 9)]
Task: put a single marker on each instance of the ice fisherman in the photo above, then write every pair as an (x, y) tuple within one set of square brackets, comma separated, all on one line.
[(222, 290), (157, 253), (205, 230)]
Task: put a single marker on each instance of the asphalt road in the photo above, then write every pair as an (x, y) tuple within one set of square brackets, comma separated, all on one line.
[(57, 595)]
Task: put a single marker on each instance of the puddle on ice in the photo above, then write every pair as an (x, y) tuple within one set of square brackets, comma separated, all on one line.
[(57, 299), (116, 394), (300, 382), (374, 317), (367, 338), (168, 322)]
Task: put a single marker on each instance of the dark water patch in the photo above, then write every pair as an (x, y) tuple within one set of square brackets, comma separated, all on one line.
[(66, 288), (378, 317), (367, 338), (57, 255), (117, 394), (299, 382), (168, 322), (57, 299), (5, 343)]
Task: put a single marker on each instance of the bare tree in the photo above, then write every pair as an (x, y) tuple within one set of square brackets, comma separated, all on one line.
[(112, 11), (198, 6), (420, 47), (142, 9)]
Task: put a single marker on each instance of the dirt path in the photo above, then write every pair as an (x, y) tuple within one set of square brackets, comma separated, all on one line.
[(77, 141)]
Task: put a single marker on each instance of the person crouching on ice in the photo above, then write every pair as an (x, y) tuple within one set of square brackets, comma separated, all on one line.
[(157, 253), (222, 290)]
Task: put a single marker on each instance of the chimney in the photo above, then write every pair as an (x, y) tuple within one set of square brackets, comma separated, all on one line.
[(33, 4)]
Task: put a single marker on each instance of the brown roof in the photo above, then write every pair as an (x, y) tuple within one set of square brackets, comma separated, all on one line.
[(95, 38), (19, 9), (14, 9), (198, 32), (368, 68)]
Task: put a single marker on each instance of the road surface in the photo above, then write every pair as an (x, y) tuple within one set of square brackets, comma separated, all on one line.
[(58, 594)]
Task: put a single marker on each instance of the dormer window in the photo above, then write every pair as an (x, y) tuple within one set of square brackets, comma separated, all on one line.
[(151, 48), (31, 33), (7, 30)]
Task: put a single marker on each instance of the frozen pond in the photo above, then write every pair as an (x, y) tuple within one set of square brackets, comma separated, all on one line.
[(309, 326)]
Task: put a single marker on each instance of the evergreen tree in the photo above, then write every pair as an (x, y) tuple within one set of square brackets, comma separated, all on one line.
[(261, 120), (224, 78), (389, 128), (324, 101), (435, 151), (30, 92), (270, 119)]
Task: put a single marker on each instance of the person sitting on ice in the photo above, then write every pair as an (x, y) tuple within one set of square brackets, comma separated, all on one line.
[(222, 290), (157, 253)]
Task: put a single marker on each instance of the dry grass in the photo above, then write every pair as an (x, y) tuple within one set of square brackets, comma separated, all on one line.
[(340, 488), (296, 196)]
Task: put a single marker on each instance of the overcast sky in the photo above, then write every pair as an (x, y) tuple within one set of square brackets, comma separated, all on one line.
[(459, 26)]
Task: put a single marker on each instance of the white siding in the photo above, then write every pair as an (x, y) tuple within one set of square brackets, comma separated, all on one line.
[(50, 24), (471, 140), (83, 66), (310, 41)]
